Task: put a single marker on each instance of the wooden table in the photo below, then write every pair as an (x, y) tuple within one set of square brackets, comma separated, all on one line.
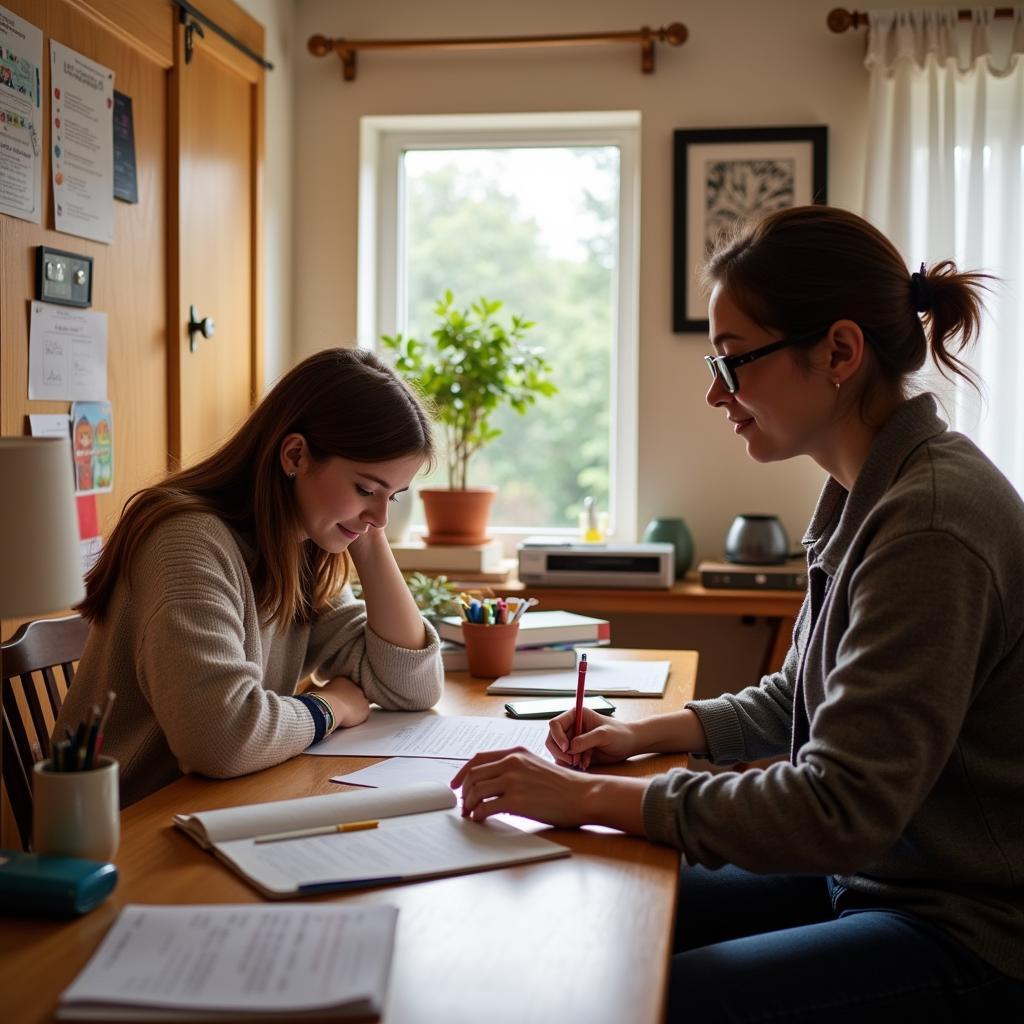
[(688, 597), (584, 938)]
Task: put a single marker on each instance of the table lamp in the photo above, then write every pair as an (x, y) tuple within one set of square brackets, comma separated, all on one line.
[(40, 564)]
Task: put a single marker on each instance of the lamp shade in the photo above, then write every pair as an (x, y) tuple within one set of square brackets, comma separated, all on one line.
[(40, 564)]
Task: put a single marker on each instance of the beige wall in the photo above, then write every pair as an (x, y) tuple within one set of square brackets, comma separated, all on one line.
[(746, 63)]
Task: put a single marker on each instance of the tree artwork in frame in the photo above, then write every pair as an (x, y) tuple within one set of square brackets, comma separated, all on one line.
[(726, 175)]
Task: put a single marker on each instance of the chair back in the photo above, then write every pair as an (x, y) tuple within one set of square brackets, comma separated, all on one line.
[(38, 667)]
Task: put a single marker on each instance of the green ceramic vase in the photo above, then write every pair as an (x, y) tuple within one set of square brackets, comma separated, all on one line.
[(672, 530)]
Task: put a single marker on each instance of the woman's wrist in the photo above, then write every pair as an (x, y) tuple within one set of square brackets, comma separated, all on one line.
[(614, 801)]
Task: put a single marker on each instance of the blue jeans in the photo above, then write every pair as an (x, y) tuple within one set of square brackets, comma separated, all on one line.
[(772, 948)]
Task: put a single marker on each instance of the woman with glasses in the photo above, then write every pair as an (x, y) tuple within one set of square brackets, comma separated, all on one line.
[(880, 868)]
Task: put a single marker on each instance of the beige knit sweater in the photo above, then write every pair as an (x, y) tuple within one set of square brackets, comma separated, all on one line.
[(202, 685)]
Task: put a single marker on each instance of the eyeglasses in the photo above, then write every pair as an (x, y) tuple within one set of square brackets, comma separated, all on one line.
[(724, 367)]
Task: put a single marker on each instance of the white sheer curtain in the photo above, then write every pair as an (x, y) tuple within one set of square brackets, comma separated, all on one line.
[(945, 178)]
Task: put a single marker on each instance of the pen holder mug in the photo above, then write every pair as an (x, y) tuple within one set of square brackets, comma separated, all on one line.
[(76, 814), (490, 649)]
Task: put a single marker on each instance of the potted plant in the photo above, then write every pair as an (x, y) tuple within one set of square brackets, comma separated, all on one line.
[(473, 366)]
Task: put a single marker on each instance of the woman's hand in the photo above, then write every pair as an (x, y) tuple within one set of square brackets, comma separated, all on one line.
[(347, 701), (518, 782), (602, 741)]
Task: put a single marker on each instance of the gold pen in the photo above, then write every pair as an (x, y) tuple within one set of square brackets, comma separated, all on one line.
[(324, 830)]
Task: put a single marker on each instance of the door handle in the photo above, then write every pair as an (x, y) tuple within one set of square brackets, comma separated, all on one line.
[(206, 327)]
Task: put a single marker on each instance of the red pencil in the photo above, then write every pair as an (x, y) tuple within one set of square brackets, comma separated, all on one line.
[(581, 683)]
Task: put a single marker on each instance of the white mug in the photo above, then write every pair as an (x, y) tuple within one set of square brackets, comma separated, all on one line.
[(76, 814)]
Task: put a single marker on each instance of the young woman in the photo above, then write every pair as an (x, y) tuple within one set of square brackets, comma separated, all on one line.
[(881, 868), (224, 586)]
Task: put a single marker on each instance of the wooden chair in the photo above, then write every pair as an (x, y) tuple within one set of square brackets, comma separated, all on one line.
[(41, 647)]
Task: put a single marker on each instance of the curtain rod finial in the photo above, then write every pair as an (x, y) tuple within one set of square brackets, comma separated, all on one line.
[(319, 46), (840, 19)]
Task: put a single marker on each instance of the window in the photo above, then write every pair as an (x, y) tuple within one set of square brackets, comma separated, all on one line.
[(539, 211)]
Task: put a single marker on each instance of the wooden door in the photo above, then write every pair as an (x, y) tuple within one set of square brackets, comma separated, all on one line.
[(219, 93)]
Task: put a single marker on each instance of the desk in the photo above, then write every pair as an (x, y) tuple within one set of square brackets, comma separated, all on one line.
[(584, 938), (780, 607)]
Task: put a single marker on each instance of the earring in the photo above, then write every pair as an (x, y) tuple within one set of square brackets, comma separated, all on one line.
[(835, 384), (291, 475)]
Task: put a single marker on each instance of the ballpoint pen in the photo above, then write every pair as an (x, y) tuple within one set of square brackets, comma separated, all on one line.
[(581, 684), (323, 830)]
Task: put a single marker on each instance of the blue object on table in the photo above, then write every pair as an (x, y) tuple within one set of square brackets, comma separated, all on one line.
[(38, 886)]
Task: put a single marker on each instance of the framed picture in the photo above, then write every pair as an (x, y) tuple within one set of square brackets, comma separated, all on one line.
[(723, 175)]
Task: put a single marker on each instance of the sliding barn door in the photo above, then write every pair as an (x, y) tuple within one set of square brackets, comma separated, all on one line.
[(215, 379)]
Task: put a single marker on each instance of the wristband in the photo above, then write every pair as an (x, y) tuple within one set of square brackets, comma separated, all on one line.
[(317, 713), (328, 712)]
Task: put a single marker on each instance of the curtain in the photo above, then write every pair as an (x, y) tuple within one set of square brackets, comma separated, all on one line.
[(945, 179)]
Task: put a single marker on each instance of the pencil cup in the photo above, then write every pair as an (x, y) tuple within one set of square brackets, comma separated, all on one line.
[(76, 814), (490, 649)]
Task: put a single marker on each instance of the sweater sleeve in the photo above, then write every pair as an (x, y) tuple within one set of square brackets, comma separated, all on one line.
[(207, 695), (341, 643), (894, 705), (756, 722)]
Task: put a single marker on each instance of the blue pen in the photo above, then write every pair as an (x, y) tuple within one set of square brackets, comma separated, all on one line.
[(475, 614)]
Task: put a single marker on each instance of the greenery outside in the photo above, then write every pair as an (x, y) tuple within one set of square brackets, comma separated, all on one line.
[(469, 229)]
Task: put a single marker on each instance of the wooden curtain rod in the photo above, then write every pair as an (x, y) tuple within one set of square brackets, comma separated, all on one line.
[(674, 34), (840, 19)]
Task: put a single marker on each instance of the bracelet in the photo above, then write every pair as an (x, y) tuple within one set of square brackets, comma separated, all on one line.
[(325, 704), (318, 715)]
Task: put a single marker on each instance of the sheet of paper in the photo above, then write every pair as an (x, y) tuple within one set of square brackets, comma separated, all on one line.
[(21, 58), (400, 771), (624, 678), (82, 122), (67, 353), (441, 842), (425, 734), (45, 424), (251, 956)]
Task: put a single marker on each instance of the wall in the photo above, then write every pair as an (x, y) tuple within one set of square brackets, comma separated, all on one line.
[(746, 63), (278, 19)]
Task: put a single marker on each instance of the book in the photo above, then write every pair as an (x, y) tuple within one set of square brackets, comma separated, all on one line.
[(453, 656), (541, 629), (417, 834), (607, 678), (451, 559), (791, 575), (240, 961)]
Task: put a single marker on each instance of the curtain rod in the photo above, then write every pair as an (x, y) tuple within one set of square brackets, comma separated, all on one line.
[(840, 19), (674, 34)]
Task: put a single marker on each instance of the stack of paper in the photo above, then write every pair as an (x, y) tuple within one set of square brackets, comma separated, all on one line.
[(609, 678), (320, 962)]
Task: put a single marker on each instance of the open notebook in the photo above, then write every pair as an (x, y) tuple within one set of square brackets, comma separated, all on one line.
[(418, 834), (318, 961)]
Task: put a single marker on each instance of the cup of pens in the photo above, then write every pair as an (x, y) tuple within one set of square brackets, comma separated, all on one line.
[(75, 798), (489, 631)]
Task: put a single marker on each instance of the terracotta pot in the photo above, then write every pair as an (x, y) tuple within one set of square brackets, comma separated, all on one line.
[(457, 517), (490, 649)]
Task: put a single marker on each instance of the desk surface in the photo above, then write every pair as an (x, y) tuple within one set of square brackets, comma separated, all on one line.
[(582, 938)]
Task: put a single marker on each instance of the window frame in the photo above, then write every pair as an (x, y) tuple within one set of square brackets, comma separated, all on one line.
[(381, 255)]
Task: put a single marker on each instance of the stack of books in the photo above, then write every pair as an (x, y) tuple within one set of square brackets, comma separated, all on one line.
[(473, 563), (545, 640)]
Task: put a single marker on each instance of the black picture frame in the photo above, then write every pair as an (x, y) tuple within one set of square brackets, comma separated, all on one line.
[(714, 169)]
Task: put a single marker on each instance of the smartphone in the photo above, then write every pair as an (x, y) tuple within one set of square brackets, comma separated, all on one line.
[(548, 707)]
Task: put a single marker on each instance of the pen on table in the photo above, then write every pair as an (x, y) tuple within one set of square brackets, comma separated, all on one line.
[(581, 683), (323, 830)]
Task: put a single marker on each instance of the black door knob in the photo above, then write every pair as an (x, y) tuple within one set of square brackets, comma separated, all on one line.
[(205, 326)]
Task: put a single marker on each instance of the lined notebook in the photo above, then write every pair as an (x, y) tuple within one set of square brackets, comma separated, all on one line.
[(419, 834)]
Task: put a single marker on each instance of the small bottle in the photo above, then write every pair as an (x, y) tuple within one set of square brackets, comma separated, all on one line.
[(590, 530)]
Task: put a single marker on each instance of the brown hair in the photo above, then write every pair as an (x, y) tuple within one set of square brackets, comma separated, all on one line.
[(804, 268), (344, 402)]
